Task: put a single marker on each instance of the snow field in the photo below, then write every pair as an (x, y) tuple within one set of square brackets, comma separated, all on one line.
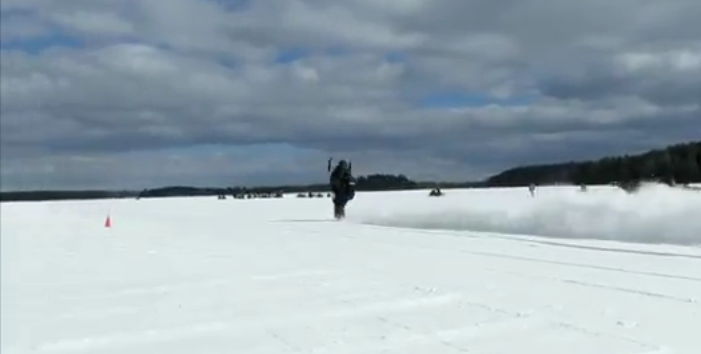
[(404, 274)]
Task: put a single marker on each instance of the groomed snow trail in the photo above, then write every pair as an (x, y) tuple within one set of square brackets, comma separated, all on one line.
[(278, 276)]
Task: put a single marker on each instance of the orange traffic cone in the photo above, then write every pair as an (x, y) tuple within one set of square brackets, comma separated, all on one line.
[(108, 222)]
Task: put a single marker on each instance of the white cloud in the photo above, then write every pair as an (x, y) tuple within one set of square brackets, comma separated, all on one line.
[(94, 23), (686, 60)]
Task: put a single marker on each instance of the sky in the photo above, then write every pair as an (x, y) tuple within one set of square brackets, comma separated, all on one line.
[(144, 93)]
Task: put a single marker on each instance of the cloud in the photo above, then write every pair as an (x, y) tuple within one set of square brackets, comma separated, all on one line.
[(105, 93)]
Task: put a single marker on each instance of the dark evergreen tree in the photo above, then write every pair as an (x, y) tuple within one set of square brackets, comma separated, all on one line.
[(677, 163)]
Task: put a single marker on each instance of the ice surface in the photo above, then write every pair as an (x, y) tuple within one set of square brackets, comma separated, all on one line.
[(404, 274)]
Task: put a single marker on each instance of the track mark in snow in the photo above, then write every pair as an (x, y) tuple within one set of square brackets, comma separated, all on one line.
[(408, 336), (120, 339), (396, 305), (199, 284), (627, 290), (545, 261), (525, 320), (610, 249), (305, 220), (132, 290), (284, 341), (125, 338), (491, 328), (599, 286), (297, 274), (500, 322), (580, 265), (649, 348), (656, 351), (95, 314), (122, 307), (445, 337), (522, 238)]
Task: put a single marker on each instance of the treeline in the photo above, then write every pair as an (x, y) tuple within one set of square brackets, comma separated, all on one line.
[(181, 191), (675, 164), (374, 182), (679, 163)]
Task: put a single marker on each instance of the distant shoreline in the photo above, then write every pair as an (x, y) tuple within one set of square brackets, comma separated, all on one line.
[(675, 164)]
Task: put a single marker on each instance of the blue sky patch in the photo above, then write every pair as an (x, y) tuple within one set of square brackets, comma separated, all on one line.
[(36, 45), (455, 99), (234, 5), (394, 57), (336, 50), (228, 62), (290, 55)]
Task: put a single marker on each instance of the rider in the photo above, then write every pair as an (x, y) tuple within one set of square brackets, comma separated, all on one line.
[(342, 185)]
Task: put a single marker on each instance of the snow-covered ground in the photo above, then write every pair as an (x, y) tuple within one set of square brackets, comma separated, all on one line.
[(477, 271)]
